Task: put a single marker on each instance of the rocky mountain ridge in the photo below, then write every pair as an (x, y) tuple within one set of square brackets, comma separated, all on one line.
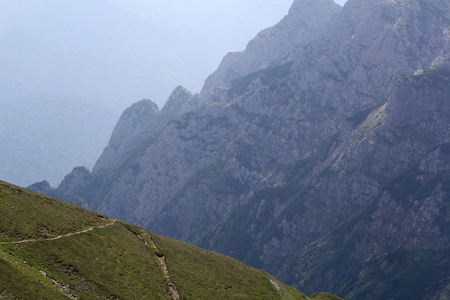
[(404, 162), (304, 23), (141, 120), (277, 166)]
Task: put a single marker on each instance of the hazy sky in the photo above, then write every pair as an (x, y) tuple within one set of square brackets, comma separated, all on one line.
[(101, 56), (214, 27), (209, 28), (121, 51)]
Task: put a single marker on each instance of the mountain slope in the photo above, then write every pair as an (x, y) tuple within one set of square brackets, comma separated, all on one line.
[(284, 156), (52, 249), (142, 120), (304, 23), (404, 232)]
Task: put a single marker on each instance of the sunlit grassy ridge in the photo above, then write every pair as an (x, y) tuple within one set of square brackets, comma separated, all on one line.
[(29, 215), (54, 250)]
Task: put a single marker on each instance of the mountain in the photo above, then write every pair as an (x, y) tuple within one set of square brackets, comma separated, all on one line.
[(142, 120), (52, 249), (304, 23), (99, 54), (398, 241), (328, 166)]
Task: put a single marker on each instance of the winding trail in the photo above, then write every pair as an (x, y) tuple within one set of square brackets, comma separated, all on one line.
[(160, 257), (64, 289), (60, 236), (146, 239)]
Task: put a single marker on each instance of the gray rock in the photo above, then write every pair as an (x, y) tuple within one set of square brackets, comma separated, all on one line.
[(304, 24), (280, 158), (140, 121)]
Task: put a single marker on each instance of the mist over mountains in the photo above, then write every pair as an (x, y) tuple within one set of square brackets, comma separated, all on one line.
[(87, 61), (320, 153), (43, 135), (104, 51)]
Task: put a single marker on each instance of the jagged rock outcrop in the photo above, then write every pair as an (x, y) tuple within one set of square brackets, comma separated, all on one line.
[(180, 101), (73, 182), (306, 21), (140, 121), (284, 156), (400, 154), (42, 187), (132, 122)]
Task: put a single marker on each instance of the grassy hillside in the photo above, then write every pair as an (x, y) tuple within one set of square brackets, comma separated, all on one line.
[(50, 249)]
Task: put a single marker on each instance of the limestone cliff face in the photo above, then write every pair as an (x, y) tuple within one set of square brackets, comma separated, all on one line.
[(140, 121), (270, 125), (73, 183), (132, 122), (399, 154), (180, 101), (280, 158), (306, 21)]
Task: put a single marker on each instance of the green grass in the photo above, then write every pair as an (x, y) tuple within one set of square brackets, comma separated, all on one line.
[(25, 214), (17, 280), (109, 262), (324, 296), (203, 274), (117, 261)]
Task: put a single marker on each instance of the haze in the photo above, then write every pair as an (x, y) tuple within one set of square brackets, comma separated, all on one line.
[(119, 51), (69, 68)]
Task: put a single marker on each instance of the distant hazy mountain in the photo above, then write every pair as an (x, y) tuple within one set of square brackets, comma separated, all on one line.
[(42, 136), (95, 57), (99, 52)]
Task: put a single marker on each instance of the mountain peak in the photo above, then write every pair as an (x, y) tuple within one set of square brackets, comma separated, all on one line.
[(42, 187), (310, 11), (132, 122), (180, 101), (306, 20), (143, 107)]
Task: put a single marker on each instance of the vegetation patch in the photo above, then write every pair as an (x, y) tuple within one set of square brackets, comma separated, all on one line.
[(90, 256)]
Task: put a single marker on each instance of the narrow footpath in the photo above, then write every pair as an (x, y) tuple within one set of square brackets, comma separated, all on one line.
[(60, 236), (160, 257)]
